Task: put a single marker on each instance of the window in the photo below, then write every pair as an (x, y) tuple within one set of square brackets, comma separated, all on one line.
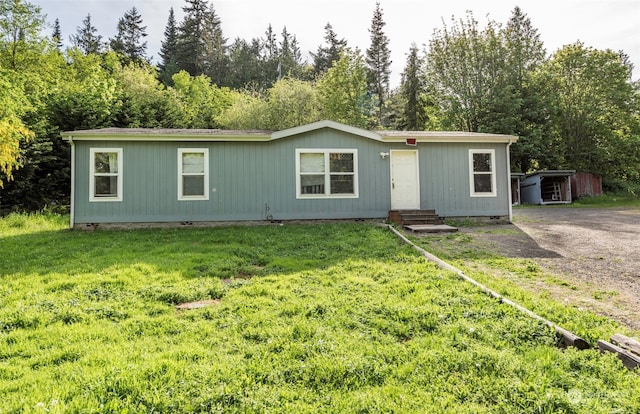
[(482, 173), (105, 180), (326, 173), (193, 174)]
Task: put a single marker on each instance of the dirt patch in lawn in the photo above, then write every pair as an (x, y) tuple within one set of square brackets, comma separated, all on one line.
[(592, 254), (197, 305)]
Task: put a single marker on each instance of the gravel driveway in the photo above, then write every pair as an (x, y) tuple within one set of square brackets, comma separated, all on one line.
[(596, 250)]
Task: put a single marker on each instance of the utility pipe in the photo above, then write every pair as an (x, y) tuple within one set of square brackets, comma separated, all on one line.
[(568, 338)]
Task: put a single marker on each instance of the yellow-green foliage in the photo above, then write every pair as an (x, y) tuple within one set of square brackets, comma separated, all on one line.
[(12, 129)]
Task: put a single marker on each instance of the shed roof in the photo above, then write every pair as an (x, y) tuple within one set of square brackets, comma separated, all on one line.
[(156, 134), (552, 173)]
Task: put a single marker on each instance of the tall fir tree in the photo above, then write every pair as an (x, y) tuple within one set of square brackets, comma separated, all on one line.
[(378, 59), (200, 44), (244, 65), (324, 58), (217, 60), (168, 65), (290, 56), (87, 39), (56, 35), (269, 58), (128, 40), (411, 89)]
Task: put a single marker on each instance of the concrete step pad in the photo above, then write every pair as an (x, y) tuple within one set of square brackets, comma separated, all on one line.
[(431, 228)]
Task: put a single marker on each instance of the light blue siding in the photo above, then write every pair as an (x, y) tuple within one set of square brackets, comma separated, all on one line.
[(446, 186), (246, 177)]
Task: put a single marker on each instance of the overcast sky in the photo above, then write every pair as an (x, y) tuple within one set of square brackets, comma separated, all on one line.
[(602, 24)]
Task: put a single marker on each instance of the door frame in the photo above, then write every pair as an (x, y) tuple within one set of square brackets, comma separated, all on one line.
[(417, 178)]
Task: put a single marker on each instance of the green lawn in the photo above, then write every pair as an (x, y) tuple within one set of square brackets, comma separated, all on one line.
[(312, 318)]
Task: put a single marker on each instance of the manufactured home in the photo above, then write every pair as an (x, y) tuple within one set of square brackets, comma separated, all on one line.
[(323, 170)]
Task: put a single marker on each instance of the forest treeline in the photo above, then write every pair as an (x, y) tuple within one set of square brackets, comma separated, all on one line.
[(576, 108)]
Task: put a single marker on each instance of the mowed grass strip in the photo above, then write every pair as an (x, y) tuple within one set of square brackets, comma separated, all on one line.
[(519, 279), (312, 318)]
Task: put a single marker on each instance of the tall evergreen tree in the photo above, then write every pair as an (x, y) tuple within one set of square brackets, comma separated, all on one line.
[(86, 38), (378, 60), (411, 89), (56, 36), (128, 41), (325, 56), (270, 58), (290, 56), (169, 51), (244, 66), (200, 46), (217, 60), (270, 43)]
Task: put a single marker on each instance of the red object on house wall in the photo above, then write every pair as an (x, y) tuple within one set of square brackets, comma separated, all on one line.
[(411, 141), (585, 184)]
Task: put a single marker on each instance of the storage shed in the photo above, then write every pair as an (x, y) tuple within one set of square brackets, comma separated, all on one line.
[(323, 170), (584, 184), (547, 187), (516, 178)]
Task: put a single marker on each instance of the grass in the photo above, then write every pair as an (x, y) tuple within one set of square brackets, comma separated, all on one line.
[(608, 200), (312, 318), (611, 200), (521, 279)]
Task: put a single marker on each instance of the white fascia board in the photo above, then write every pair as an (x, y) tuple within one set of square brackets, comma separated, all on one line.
[(326, 124), (493, 139), (156, 138)]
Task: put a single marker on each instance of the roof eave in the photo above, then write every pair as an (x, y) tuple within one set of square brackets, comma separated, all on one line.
[(68, 136), (496, 139), (552, 173), (325, 124)]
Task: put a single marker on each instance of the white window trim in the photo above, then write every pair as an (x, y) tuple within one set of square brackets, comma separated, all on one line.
[(205, 195), (327, 173), (472, 174), (92, 175)]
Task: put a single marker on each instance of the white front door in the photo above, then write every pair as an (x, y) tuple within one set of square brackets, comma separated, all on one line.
[(405, 182)]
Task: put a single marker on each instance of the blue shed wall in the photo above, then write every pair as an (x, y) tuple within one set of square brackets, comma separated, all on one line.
[(530, 190)]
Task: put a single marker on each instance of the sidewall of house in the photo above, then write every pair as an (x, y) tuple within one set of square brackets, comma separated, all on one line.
[(446, 185), (257, 181), (247, 181)]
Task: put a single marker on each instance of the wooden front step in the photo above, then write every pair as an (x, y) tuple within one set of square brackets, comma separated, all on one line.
[(415, 217)]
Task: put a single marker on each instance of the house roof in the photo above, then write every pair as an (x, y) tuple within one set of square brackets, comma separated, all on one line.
[(149, 134), (444, 136), (160, 134)]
